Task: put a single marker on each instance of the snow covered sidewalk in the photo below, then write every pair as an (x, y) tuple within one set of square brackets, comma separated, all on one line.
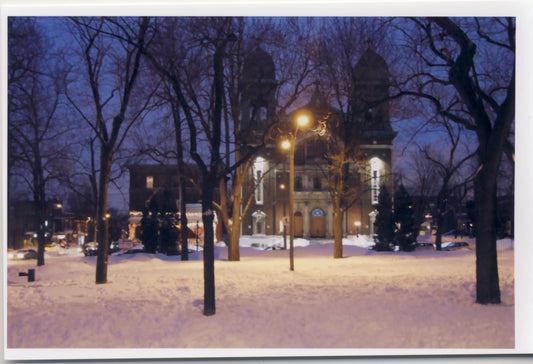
[(419, 300)]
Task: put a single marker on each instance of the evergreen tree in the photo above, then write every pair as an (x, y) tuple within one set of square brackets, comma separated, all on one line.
[(168, 235), (405, 221), (149, 231), (384, 225)]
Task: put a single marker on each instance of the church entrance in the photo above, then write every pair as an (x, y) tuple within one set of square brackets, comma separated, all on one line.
[(318, 223), (258, 227), (298, 224)]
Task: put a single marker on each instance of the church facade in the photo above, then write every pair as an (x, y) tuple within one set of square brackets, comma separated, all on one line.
[(368, 126)]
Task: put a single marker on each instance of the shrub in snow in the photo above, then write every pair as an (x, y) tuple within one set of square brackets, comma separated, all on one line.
[(168, 235), (384, 224), (149, 231), (405, 221)]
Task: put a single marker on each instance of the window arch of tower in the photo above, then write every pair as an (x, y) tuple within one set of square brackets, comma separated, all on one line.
[(376, 171)]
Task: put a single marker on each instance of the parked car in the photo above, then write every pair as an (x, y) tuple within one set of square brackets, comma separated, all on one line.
[(113, 247), (90, 248), (22, 254), (455, 245)]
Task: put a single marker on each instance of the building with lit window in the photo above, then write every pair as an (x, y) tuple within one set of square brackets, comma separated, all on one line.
[(269, 175), (158, 185)]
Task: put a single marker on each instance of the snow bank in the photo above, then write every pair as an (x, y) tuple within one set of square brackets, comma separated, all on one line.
[(367, 300)]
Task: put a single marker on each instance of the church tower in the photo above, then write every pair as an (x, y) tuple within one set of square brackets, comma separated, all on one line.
[(371, 111), (258, 94), (258, 107), (370, 103)]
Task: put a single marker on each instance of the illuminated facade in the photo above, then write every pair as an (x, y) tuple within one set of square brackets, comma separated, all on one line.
[(269, 175)]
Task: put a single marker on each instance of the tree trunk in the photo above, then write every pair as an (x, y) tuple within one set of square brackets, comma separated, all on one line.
[(438, 233), (234, 233), (40, 242), (40, 216), (487, 287), (103, 248), (234, 228), (183, 223), (184, 233), (337, 233), (39, 199), (209, 247)]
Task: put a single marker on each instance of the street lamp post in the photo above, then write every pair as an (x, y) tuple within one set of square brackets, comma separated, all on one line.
[(107, 217), (302, 120), (291, 203), (284, 221)]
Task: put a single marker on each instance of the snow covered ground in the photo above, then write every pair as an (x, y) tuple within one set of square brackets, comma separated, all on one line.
[(367, 302)]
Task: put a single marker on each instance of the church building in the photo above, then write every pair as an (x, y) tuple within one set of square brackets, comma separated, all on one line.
[(368, 125)]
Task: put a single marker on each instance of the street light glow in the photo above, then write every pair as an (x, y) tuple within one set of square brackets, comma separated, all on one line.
[(286, 144), (303, 120)]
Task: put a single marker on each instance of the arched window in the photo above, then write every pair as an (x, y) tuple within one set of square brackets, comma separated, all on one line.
[(317, 212), (258, 117)]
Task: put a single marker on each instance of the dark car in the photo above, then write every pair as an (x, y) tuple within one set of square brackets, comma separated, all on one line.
[(113, 247), (455, 245), (90, 249), (22, 254)]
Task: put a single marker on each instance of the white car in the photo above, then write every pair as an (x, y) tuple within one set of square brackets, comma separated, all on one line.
[(455, 245), (22, 254)]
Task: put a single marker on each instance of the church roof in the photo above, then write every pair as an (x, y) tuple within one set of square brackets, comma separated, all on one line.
[(318, 101)]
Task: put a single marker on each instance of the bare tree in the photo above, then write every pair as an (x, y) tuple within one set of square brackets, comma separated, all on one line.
[(176, 56), (168, 142), (39, 139), (418, 175), (202, 108), (344, 183), (447, 167), (342, 42), (290, 53), (110, 52), (217, 40), (474, 60)]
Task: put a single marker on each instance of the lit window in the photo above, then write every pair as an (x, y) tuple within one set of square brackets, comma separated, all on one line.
[(149, 181), (259, 167), (375, 166), (259, 189)]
